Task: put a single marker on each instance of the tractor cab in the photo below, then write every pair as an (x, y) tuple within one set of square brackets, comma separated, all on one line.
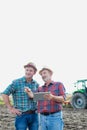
[(81, 86)]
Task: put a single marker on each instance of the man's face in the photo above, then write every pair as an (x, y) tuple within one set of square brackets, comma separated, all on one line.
[(46, 75), (29, 72)]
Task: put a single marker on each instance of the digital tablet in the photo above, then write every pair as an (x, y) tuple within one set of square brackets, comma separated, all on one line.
[(40, 95)]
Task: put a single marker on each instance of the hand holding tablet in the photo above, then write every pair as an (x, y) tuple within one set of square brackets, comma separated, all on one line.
[(40, 95)]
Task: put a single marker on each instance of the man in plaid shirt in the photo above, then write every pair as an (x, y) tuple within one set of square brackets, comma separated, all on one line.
[(24, 107), (50, 109)]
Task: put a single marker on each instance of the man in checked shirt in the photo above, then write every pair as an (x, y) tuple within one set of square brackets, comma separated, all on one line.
[(50, 109), (24, 107)]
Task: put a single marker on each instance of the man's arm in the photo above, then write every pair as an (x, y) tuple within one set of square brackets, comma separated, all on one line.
[(54, 98), (58, 98), (7, 101), (9, 106), (61, 94)]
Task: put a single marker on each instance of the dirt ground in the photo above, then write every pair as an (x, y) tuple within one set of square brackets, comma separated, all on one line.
[(73, 119)]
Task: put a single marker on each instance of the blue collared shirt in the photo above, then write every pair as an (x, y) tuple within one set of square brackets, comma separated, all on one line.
[(21, 99)]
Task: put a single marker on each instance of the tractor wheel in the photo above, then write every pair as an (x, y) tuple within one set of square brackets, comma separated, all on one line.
[(79, 100)]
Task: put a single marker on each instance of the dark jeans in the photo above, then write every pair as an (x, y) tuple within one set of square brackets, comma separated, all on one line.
[(25, 121)]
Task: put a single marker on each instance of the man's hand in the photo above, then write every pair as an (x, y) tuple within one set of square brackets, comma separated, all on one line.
[(27, 89), (48, 96), (29, 92), (14, 111), (54, 98)]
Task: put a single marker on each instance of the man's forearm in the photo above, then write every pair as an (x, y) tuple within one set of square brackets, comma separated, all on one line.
[(58, 98), (7, 101)]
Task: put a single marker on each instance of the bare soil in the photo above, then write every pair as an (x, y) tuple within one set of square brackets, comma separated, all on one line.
[(74, 119)]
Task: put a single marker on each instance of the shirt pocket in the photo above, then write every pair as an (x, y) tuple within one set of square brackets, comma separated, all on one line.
[(55, 92)]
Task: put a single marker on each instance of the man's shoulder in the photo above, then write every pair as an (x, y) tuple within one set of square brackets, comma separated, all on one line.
[(59, 85), (57, 82), (18, 80)]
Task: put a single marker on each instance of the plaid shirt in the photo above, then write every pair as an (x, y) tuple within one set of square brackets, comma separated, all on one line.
[(57, 89), (20, 98)]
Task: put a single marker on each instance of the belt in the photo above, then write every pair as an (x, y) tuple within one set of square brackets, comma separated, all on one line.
[(48, 113), (29, 112)]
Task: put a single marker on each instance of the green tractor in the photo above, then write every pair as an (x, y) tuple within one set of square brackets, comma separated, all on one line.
[(79, 97)]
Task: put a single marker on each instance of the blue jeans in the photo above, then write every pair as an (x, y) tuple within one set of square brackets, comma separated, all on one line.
[(25, 121), (52, 121)]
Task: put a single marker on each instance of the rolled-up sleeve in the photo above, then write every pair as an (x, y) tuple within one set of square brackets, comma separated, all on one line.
[(10, 89), (62, 91)]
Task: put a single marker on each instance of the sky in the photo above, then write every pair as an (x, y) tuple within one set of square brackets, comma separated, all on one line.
[(48, 33)]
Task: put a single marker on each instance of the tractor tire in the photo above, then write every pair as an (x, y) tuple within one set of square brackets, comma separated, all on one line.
[(79, 100)]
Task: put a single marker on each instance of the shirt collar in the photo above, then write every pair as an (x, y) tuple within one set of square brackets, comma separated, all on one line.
[(24, 80), (51, 83)]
